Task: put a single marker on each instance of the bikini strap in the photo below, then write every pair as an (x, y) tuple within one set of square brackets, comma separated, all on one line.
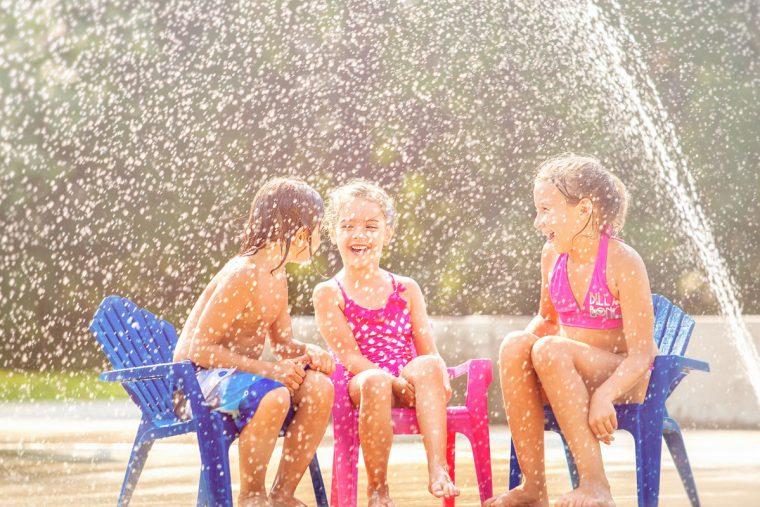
[(601, 256), (393, 282), (340, 286)]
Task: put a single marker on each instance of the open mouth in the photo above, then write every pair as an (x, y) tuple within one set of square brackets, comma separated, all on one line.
[(360, 250), (550, 236)]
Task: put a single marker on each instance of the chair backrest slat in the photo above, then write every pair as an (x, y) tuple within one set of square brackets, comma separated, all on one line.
[(131, 336), (147, 348), (672, 327), (678, 347), (671, 330), (662, 309)]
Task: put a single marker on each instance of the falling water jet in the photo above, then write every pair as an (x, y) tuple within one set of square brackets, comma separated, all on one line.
[(650, 126)]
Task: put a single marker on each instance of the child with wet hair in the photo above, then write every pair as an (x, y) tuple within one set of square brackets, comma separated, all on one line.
[(376, 324), (224, 335), (591, 344)]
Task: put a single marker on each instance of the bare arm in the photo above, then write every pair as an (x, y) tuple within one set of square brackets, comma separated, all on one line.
[(334, 328), (635, 296), (546, 323), (281, 336), (424, 343)]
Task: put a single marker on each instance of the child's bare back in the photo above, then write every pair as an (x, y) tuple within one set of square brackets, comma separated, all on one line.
[(240, 328)]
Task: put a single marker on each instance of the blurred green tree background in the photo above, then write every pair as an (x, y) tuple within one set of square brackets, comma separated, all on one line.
[(135, 133)]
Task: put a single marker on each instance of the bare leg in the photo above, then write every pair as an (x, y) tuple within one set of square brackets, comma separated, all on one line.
[(570, 371), (257, 441), (524, 405), (372, 391), (426, 373), (312, 403)]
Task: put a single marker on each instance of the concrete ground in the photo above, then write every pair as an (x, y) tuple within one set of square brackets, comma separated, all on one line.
[(56, 454)]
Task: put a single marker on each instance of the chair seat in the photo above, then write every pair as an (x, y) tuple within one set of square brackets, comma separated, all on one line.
[(470, 420)]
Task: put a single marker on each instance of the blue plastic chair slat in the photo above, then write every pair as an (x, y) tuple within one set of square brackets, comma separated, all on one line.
[(141, 339), (671, 330), (162, 343), (117, 355), (682, 338), (662, 309), (122, 321), (134, 328), (119, 327), (146, 346)]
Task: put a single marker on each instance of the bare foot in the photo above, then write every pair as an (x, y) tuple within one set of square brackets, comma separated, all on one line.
[(379, 497), (520, 497), (587, 495), (254, 500), (441, 485), (284, 500)]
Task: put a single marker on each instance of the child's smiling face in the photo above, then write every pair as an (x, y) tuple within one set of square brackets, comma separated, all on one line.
[(558, 220), (361, 232)]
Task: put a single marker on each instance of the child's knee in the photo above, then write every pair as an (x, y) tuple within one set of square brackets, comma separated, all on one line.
[(376, 384), (320, 386), (545, 353), (516, 346), (277, 401)]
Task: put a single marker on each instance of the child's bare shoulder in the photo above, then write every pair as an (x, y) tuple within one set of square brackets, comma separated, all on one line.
[(624, 258), (327, 291), (408, 282), (238, 277)]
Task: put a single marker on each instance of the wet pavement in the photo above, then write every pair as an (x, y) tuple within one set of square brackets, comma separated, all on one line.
[(63, 454)]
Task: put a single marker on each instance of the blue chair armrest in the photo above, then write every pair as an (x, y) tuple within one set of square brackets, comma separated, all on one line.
[(680, 363), (151, 371)]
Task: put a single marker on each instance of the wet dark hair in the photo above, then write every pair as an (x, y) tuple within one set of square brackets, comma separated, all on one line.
[(580, 177), (279, 209)]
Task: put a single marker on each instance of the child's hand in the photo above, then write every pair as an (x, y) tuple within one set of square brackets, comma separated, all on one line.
[(290, 373), (320, 359), (602, 419), (404, 391)]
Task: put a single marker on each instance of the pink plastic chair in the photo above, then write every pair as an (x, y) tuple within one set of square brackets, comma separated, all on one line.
[(470, 420)]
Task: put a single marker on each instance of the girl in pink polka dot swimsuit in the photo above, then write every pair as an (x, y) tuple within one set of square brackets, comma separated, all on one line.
[(377, 326)]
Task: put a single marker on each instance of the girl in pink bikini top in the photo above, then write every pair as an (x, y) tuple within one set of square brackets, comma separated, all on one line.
[(599, 309)]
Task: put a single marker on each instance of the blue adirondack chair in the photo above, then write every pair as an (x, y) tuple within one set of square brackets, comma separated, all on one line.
[(139, 347), (648, 422)]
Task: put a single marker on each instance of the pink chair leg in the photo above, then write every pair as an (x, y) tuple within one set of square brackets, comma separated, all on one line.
[(451, 462), (481, 453), (345, 467)]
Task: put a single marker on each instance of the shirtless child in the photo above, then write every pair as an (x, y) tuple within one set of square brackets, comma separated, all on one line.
[(225, 333)]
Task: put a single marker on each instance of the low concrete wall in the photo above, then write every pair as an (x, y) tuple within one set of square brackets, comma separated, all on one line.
[(722, 398)]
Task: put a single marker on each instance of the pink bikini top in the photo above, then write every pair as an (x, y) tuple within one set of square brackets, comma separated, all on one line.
[(600, 309)]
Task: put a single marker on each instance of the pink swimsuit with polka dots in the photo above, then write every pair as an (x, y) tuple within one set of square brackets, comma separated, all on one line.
[(384, 335)]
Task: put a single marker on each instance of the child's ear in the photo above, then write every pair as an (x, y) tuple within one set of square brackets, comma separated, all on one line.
[(586, 206), (302, 234)]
